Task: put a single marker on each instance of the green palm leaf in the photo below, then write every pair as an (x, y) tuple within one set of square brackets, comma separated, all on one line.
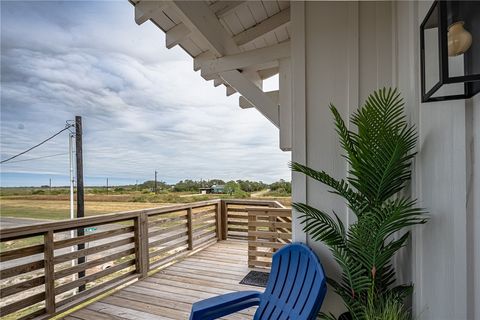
[(379, 153)]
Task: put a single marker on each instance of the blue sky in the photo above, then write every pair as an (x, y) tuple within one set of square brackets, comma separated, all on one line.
[(143, 106)]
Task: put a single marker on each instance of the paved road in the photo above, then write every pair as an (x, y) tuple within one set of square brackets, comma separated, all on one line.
[(9, 222)]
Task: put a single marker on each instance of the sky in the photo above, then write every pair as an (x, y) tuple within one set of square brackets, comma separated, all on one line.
[(143, 107)]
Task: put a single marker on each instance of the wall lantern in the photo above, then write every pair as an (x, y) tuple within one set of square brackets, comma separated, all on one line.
[(450, 51)]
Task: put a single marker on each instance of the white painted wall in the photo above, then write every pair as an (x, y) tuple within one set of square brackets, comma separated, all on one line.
[(347, 53), (445, 251), (347, 50)]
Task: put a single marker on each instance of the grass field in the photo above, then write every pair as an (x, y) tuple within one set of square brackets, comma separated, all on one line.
[(60, 209), (28, 203)]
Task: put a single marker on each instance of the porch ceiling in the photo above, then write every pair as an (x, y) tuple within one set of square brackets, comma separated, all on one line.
[(236, 44)]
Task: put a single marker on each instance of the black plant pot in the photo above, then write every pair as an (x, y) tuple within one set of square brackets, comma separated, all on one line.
[(345, 316)]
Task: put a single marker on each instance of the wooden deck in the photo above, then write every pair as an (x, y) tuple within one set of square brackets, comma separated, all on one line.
[(170, 293)]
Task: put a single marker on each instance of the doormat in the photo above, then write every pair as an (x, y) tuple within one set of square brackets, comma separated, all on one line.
[(256, 278)]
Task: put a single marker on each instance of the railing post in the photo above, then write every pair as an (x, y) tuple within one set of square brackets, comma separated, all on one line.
[(252, 218), (218, 218), (190, 229), (224, 220), (273, 229), (49, 272), (141, 244)]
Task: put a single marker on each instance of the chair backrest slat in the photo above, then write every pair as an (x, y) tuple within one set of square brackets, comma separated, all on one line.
[(296, 286)]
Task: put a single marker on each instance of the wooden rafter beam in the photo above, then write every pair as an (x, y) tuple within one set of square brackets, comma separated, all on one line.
[(201, 58), (176, 35), (246, 59), (253, 94), (245, 104), (217, 81), (268, 73), (229, 90), (264, 27), (201, 20), (145, 10)]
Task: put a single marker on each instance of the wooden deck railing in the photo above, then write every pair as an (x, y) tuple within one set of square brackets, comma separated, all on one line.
[(39, 279), (236, 216), (268, 230)]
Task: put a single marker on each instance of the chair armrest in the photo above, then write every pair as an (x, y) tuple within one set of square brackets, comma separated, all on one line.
[(223, 305)]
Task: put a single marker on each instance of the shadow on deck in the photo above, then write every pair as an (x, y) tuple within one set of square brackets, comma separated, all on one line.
[(169, 293)]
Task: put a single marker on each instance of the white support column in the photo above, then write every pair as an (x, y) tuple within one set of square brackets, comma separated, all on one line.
[(253, 94), (285, 101), (299, 122)]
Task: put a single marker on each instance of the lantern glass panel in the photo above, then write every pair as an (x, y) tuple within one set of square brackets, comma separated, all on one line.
[(465, 17)]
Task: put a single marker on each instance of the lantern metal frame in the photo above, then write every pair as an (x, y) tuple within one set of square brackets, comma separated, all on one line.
[(470, 89)]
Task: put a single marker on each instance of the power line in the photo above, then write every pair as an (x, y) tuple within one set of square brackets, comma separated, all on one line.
[(37, 145), (49, 156)]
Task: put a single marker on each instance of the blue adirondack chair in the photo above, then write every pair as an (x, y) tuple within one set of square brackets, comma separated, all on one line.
[(295, 290)]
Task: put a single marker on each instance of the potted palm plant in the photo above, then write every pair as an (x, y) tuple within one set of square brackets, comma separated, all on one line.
[(380, 154)]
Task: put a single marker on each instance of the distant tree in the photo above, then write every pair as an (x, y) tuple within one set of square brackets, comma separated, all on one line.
[(251, 186), (215, 182), (281, 184), (231, 187), (149, 184), (187, 185)]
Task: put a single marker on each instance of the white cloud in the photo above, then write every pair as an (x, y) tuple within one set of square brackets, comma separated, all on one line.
[(143, 107)]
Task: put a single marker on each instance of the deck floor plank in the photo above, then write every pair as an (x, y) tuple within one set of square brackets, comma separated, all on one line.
[(169, 293)]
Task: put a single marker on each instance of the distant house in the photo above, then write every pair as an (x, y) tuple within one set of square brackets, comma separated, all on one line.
[(217, 188), (213, 189), (205, 190)]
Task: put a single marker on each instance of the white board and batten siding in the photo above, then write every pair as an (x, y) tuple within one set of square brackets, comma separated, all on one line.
[(347, 50)]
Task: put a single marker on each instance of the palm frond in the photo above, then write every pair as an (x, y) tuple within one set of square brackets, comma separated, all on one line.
[(340, 187), (380, 154), (384, 145), (320, 226)]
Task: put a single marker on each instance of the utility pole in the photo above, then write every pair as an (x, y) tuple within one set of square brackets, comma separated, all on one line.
[(107, 186), (72, 179), (80, 189), (71, 138), (50, 185), (155, 185)]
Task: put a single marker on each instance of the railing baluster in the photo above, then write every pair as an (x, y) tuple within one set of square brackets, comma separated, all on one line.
[(49, 273), (190, 229), (141, 245), (268, 230), (224, 219), (251, 239)]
